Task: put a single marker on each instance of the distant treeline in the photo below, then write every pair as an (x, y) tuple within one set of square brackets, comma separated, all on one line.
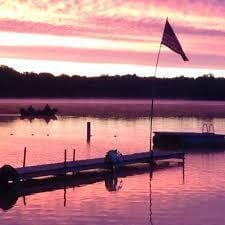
[(23, 85)]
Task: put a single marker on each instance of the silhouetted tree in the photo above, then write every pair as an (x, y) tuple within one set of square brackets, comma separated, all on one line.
[(29, 84)]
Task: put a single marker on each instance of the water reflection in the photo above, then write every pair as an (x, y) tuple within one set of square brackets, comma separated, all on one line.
[(112, 180), (6, 119), (8, 198), (197, 199), (46, 142), (44, 118), (150, 198)]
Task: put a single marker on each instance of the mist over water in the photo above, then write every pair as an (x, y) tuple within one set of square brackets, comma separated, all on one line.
[(124, 108), (169, 198)]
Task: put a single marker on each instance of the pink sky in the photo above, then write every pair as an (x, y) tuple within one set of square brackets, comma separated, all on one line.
[(89, 36)]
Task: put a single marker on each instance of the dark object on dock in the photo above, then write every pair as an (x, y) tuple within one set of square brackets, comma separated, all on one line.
[(32, 112), (113, 158), (8, 173), (188, 140)]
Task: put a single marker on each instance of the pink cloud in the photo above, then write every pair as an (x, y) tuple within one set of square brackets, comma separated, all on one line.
[(95, 13), (107, 56), (199, 25)]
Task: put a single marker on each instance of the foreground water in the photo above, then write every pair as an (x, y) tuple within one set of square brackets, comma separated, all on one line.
[(168, 198)]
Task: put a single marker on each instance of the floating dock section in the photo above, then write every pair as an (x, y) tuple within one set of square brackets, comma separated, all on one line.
[(91, 164), (9, 174), (112, 181), (188, 140)]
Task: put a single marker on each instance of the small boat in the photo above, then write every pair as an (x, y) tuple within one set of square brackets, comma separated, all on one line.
[(32, 112)]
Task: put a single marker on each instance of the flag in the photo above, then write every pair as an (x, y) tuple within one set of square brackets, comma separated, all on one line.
[(170, 40)]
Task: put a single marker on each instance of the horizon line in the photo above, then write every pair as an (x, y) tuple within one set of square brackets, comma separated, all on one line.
[(69, 68)]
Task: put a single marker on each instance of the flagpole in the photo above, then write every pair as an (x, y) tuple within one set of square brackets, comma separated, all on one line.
[(152, 103)]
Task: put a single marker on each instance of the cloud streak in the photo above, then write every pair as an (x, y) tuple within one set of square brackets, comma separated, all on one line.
[(113, 15)]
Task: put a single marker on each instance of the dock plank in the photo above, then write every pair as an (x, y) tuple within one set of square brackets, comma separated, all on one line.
[(89, 164)]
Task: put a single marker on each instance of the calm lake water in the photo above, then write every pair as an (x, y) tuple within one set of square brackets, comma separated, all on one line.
[(196, 198)]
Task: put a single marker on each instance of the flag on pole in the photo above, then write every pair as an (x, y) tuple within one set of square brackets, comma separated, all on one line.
[(170, 40)]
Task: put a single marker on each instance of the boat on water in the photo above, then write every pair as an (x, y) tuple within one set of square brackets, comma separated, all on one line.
[(32, 112)]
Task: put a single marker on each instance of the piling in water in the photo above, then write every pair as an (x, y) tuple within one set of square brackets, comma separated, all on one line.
[(88, 131), (24, 156), (65, 162), (74, 154)]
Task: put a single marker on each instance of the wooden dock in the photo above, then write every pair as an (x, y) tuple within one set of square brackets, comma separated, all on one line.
[(111, 180), (16, 182), (30, 172), (10, 176), (188, 140)]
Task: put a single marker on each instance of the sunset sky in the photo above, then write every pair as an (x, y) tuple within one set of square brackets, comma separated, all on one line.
[(94, 37)]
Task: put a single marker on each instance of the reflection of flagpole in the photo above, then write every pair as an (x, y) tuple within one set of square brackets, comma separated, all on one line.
[(152, 103), (150, 196)]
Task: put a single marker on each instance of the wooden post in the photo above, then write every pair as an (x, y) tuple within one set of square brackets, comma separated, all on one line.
[(74, 154), (88, 131), (24, 156), (24, 200), (65, 162), (183, 167)]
